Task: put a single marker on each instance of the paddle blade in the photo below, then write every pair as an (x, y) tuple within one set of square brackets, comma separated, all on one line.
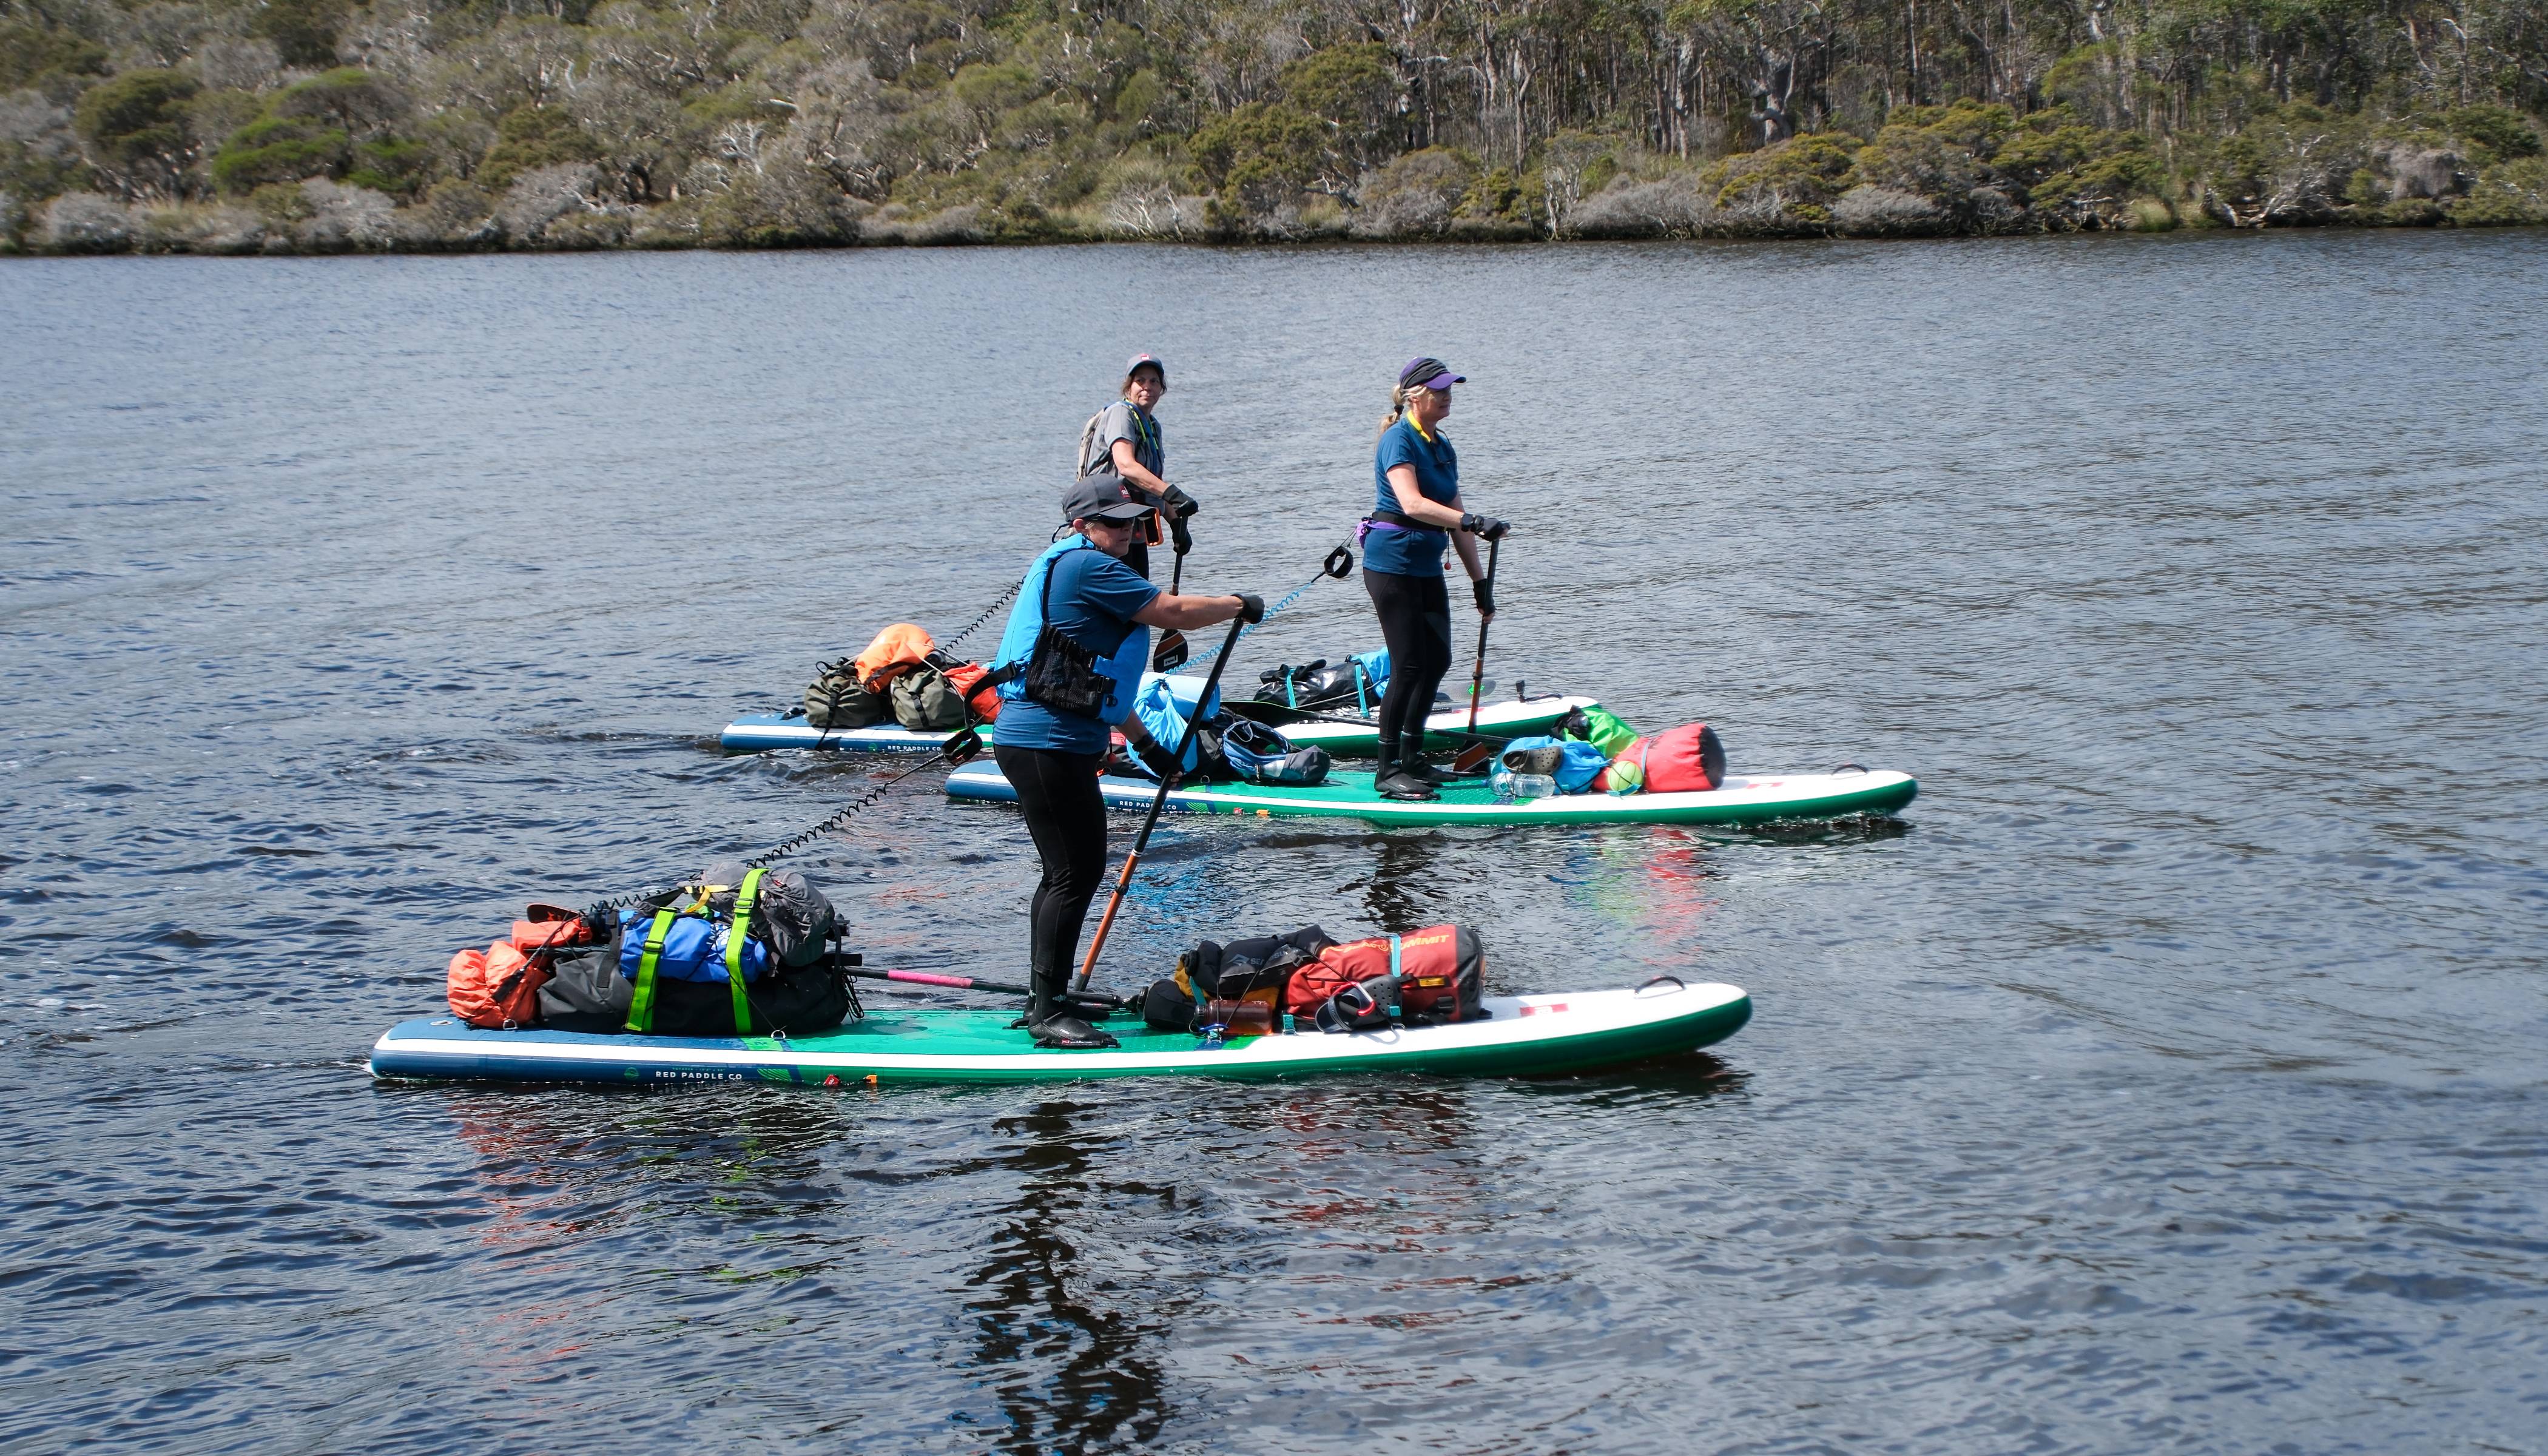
[(1473, 757), (961, 745), (1170, 654), (1483, 687)]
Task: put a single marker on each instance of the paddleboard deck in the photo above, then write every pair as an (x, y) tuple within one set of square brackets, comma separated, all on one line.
[(1523, 1036), (1755, 799), (757, 732)]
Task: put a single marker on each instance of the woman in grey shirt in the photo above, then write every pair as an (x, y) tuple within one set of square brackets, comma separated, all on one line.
[(1123, 441)]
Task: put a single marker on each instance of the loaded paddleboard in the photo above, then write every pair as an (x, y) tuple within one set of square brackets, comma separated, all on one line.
[(1521, 1035), (1754, 799), (1512, 718)]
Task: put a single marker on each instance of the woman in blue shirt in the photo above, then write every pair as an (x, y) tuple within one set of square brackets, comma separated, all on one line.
[(1417, 516), (1055, 717)]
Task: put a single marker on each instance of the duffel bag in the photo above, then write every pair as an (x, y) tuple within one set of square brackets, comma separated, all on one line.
[(924, 701), (835, 701), (1439, 975), (1684, 760)]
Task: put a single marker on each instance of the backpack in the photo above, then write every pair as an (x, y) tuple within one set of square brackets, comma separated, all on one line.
[(499, 988), (1430, 976), (924, 701), (1686, 760), (834, 699)]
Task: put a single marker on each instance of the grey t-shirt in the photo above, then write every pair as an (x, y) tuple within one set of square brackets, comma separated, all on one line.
[(1121, 421)]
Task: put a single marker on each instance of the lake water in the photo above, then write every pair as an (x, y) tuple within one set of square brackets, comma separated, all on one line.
[(2170, 1078)]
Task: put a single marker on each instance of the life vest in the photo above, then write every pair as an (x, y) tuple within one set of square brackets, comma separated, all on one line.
[(1026, 626)]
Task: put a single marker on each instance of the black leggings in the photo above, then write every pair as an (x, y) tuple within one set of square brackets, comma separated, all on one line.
[(1415, 622), (1066, 815)]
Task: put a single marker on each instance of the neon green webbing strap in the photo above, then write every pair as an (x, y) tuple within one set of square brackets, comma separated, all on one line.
[(734, 938), (641, 1006)]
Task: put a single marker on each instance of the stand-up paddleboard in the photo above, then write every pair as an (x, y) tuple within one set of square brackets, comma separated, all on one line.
[(1511, 718), (758, 731), (1753, 799), (1522, 1036)]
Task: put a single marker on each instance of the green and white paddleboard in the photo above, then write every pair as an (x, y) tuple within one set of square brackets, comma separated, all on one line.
[(1756, 799), (1522, 1036), (1512, 718)]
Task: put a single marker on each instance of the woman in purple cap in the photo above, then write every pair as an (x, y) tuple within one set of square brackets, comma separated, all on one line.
[(1122, 439), (1418, 516)]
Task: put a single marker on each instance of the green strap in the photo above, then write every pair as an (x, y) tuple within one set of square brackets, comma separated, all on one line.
[(641, 1006), (735, 935)]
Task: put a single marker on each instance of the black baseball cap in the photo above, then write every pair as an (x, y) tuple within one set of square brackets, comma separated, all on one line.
[(1100, 497)]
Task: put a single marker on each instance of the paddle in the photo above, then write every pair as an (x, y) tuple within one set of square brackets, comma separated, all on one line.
[(1160, 800), (1478, 676), (960, 982), (1171, 652)]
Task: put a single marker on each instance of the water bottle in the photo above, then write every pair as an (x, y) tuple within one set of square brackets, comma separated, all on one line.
[(1238, 1018), (1509, 785)]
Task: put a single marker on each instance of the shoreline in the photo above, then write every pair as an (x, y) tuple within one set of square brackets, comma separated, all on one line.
[(267, 246)]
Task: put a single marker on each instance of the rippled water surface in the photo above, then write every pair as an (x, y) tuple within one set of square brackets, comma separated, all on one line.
[(2169, 1077)]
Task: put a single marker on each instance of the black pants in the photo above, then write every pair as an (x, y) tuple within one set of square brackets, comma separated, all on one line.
[(1066, 815), (1415, 622)]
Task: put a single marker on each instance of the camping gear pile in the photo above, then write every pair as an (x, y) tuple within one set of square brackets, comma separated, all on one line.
[(1223, 749), (1425, 977), (739, 953), (1595, 751), (904, 677)]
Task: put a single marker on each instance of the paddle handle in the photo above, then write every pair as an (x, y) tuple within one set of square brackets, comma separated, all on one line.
[(1478, 673)]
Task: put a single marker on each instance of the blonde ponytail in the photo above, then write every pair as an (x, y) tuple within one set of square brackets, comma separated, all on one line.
[(1396, 411)]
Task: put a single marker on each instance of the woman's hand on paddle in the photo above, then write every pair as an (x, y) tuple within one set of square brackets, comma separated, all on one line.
[(1185, 613), (1484, 526), (1484, 592), (1251, 610)]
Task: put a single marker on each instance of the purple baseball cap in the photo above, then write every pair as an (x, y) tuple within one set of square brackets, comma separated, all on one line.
[(1137, 360), (1430, 372)]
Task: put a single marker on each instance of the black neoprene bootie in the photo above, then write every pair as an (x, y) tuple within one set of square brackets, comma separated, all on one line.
[(1424, 773), (1398, 783), (1069, 1034)]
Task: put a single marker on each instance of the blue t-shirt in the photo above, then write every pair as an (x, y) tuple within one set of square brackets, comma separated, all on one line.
[(1093, 598), (1410, 553)]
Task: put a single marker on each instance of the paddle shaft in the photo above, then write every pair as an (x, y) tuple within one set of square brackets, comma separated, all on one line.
[(1172, 651), (1477, 675), (1158, 801)]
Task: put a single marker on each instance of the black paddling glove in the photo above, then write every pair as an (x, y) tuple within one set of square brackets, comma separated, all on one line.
[(1180, 504), (1251, 610), (1484, 526), (1485, 595), (1178, 533)]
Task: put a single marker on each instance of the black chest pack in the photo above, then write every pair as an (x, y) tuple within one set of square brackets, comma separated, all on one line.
[(1059, 673)]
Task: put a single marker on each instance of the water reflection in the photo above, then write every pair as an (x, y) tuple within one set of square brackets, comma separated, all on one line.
[(1081, 1360)]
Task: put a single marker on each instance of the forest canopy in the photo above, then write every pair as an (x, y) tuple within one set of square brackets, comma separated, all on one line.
[(234, 125)]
